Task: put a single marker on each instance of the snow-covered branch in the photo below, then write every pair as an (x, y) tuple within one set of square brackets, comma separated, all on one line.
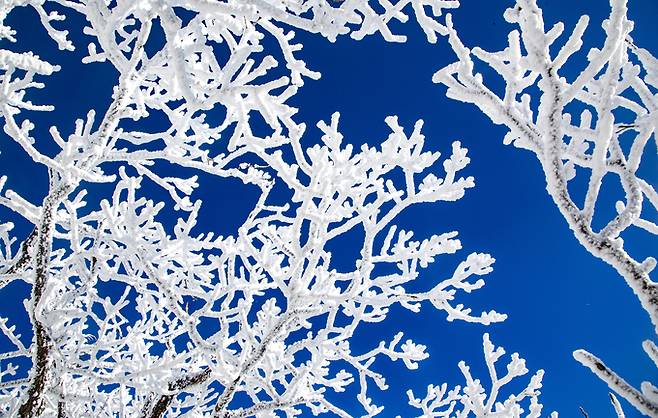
[(598, 124), (474, 400), (134, 316)]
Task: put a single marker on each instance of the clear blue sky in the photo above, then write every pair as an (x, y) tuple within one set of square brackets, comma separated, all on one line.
[(557, 296)]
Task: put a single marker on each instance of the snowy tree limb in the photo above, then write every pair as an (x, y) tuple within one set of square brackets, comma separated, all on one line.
[(542, 123)]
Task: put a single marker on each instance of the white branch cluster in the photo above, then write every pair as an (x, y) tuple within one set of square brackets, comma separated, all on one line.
[(599, 124), (134, 317), (473, 400)]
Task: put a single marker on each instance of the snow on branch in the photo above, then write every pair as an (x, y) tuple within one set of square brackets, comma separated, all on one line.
[(132, 315), (644, 400), (599, 124), (283, 314), (474, 400)]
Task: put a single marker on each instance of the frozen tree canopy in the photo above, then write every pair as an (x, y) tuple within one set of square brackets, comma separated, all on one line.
[(281, 316), (136, 310)]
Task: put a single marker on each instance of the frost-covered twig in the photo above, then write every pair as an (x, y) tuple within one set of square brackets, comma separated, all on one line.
[(474, 400)]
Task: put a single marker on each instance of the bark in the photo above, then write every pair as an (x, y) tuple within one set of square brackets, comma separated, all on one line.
[(157, 407), (42, 359)]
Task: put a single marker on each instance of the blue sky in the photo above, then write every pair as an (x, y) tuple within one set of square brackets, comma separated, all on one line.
[(557, 296)]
